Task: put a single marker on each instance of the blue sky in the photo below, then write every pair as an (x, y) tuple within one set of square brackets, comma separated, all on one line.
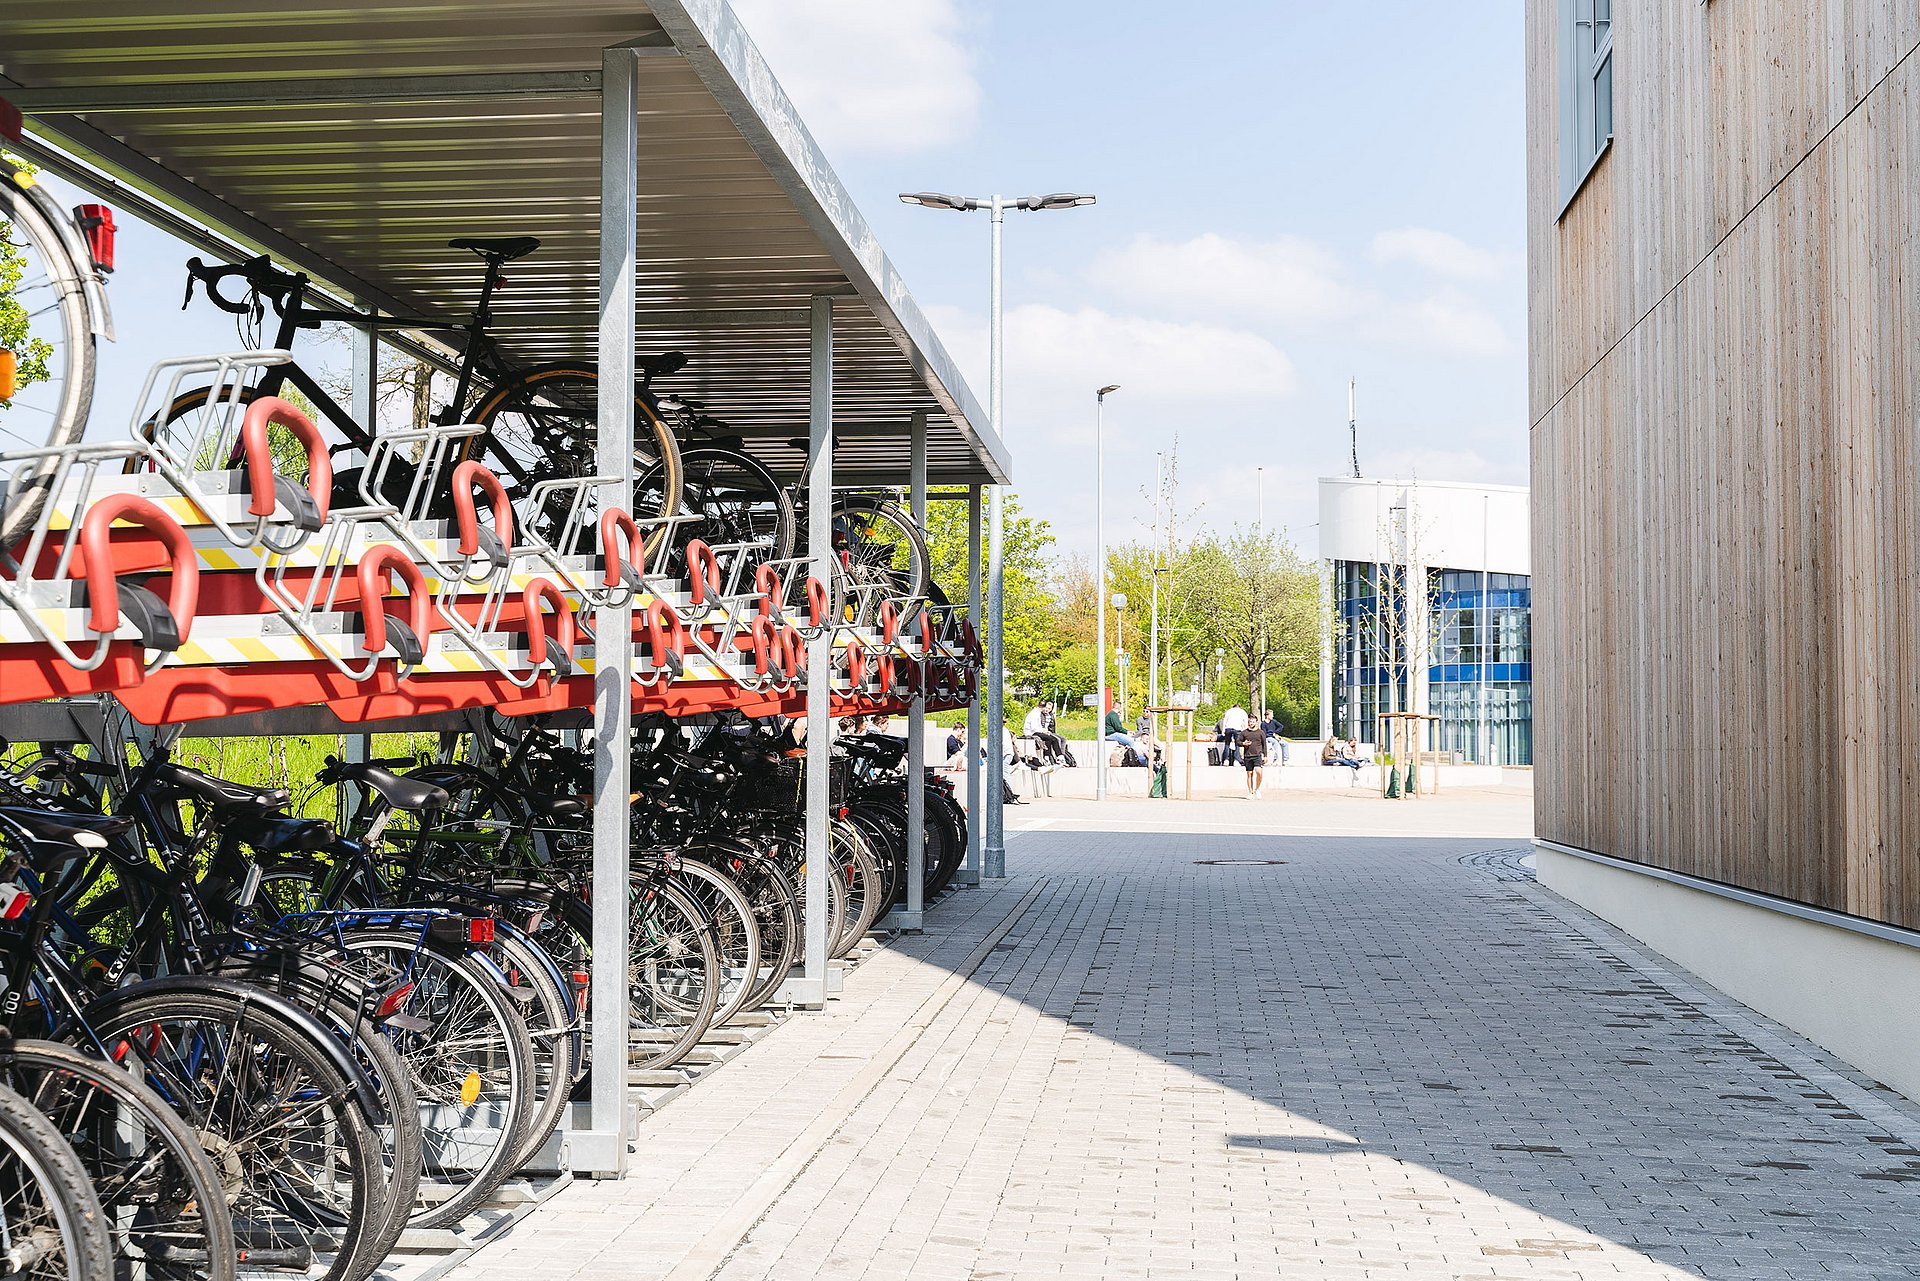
[(1290, 194)]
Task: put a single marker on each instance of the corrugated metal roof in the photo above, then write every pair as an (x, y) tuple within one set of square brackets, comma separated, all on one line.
[(353, 139)]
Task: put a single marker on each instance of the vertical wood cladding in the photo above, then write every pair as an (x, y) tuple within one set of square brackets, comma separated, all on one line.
[(1725, 386)]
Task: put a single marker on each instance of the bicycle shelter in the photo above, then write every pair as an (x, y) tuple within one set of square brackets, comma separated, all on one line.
[(681, 204)]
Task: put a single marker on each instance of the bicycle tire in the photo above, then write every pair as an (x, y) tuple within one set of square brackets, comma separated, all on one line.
[(703, 472), (776, 912), (36, 221), (859, 876), (47, 1203), (550, 1033), (908, 582), (156, 1184), (736, 934), (476, 1043), (674, 997), (554, 381), (274, 1223)]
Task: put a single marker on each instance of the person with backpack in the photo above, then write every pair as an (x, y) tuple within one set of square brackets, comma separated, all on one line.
[(1253, 757)]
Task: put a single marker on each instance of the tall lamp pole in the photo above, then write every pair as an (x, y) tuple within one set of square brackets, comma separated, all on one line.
[(1100, 594), (993, 854)]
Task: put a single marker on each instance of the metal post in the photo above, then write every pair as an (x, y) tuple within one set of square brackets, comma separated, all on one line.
[(1153, 569), (363, 343), (1482, 632), (994, 855), (1099, 600), (819, 655), (970, 875), (602, 1150), (914, 913)]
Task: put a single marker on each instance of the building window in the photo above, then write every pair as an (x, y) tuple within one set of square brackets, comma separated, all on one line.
[(1586, 90)]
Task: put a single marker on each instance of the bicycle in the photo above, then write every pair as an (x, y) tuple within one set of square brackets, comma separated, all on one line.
[(541, 421), (53, 310)]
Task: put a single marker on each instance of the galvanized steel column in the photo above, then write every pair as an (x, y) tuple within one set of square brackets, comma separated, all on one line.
[(994, 853), (819, 654), (917, 714), (603, 1151), (974, 815)]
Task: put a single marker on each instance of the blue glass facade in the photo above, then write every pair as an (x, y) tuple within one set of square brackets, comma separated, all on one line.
[(1478, 658)]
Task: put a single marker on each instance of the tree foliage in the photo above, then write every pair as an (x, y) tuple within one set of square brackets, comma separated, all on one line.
[(31, 354)]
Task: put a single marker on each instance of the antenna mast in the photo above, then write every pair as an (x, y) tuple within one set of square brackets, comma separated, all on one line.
[(1353, 429)]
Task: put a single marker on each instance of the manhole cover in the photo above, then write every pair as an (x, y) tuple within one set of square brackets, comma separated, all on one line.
[(1238, 862)]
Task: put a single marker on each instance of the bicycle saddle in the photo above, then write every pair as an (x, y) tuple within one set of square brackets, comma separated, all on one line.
[(667, 362), (218, 792), (557, 808), (497, 248), (76, 831), (410, 794)]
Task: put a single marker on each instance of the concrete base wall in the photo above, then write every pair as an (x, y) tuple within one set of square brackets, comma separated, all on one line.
[(1853, 993)]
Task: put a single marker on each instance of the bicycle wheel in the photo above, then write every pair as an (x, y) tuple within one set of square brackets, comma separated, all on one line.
[(550, 1034), (164, 1203), (673, 972), (51, 1225), (879, 546), (467, 1049), (736, 935), (544, 425), (300, 1161), (738, 503), (777, 914), (855, 868), (47, 327)]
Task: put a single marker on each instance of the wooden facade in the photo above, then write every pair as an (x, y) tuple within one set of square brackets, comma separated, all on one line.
[(1725, 404)]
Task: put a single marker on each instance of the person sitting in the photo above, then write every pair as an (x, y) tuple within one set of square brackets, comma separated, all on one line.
[(1333, 752), (1041, 728), (1274, 732), (957, 749)]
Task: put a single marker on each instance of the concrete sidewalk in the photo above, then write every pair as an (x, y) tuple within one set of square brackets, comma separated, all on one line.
[(1236, 1051)]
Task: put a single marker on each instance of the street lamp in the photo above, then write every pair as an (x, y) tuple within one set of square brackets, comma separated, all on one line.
[(1119, 602), (1100, 593), (994, 851)]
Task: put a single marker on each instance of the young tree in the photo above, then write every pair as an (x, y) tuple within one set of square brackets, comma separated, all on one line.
[(1029, 605)]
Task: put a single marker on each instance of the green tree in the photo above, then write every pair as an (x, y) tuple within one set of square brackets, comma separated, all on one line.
[(1029, 606), (31, 355)]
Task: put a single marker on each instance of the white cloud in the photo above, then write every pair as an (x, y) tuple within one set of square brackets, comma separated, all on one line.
[(1293, 283), (1060, 357), (1440, 253), (877, 77)]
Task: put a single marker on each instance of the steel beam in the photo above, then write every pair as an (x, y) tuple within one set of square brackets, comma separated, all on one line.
[(819, 655), (970, 874), (214, 95), (602, 1150), (913, 914)]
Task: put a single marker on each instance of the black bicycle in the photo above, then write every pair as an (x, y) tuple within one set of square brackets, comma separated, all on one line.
[(541, 422)]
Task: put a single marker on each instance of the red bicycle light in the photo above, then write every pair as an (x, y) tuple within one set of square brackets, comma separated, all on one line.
[(390, 1004), (14, 902), (480, 930), (96, 224)]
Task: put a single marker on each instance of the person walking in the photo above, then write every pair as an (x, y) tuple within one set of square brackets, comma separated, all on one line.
[(1253, 758)]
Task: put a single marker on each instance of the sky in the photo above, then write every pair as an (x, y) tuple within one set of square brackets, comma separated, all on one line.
[(1290, 195)]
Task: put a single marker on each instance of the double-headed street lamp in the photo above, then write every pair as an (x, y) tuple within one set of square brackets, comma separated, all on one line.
[(994, 852)]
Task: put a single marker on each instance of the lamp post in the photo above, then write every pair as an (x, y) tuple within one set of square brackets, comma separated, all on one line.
[(1100, 593), (993, 854), (1119, 603)]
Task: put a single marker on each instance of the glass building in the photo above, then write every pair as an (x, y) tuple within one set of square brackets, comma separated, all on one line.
[(1459, 646)]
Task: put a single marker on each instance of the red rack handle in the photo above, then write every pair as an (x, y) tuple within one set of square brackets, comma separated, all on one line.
[(764, 645), (704, 568), (766, 581), (183, 598), (377, 569), (259, 453), (666, 635), (816, 600), (618, 530), (889, 622), (542, 589), (857, 665), (465, 477), (971, 637), (793, 653)]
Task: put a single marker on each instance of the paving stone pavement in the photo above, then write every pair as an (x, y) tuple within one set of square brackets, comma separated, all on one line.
[(1367, 1058)]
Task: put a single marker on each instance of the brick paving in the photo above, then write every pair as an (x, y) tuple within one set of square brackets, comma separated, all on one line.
[(1372, 1058)]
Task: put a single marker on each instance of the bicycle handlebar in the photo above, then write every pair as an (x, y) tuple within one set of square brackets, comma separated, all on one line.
[(262, 277)]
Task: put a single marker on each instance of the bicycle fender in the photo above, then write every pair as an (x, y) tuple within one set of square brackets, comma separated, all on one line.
[(336, 1054), (90, 282)]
